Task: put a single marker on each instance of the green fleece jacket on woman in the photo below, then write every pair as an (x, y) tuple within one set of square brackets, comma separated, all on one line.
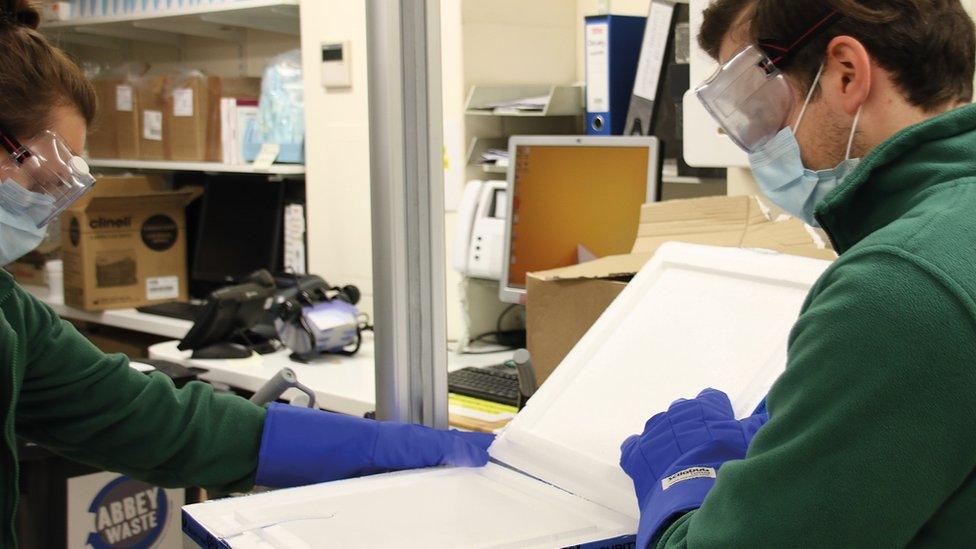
[(62, 393), (871, 440)]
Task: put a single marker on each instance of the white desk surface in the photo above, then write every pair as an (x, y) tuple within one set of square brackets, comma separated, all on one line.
[(130, 319), (341, 383)]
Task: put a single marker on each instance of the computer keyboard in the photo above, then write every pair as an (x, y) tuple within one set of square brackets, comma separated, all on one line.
[(182, 310), (497, 383)]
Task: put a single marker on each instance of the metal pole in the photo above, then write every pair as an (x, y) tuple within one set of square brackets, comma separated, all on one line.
[(406, 143)]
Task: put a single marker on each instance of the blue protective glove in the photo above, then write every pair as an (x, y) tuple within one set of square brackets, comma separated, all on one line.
[(674, 462), (304, 446)]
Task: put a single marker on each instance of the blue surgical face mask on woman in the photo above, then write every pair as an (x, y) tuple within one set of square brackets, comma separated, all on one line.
[(779, 171), (19, 210)]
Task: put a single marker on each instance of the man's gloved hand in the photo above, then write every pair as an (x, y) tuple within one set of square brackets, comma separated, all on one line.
[(303, 446), (674, 462)]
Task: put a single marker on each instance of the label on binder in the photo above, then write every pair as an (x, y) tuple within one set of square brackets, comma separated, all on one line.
[(598, 67)]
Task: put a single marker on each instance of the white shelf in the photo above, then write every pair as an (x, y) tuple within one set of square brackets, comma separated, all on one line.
[(220, 22), (212, 167), (563, 100), (492, 168), (129, 319)]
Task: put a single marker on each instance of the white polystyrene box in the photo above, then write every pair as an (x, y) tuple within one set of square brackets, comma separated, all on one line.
[(694, 317)]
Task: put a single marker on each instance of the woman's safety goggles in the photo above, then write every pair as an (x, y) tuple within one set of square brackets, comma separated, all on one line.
[(41, 178), (748, 96)]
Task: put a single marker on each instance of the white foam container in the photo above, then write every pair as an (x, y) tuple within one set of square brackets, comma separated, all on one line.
[(694, 317)]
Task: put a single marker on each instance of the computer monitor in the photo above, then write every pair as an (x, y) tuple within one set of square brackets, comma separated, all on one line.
[(239, 232), (221, 329), (571, 196)]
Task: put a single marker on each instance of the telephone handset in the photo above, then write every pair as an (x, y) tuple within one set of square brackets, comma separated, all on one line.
[(479, 241)]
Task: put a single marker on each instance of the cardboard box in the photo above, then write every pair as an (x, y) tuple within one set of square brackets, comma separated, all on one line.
[(102, 135), (152, 130), (192, 113), (41, 270), (124, 244), (115, 131), (562, 304), (125, 117)]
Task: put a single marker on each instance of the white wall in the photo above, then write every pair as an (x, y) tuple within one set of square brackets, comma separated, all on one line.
[(453, 92), (337, 141)]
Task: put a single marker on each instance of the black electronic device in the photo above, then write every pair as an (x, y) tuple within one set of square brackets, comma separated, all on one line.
[(222, 329), (314, 319), (498, 383), (182, 310), (239, 231), (512, 383)]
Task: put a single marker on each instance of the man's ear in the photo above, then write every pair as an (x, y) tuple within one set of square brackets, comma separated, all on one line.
[(847, 74)]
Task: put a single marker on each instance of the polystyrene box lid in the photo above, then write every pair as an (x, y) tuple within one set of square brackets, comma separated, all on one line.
[(694, 317)]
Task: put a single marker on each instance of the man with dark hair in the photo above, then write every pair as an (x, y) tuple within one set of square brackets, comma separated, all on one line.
[(856, 118)]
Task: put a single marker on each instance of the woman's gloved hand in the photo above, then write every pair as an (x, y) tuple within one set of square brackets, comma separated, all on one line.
[(674, 462), (304, 446)]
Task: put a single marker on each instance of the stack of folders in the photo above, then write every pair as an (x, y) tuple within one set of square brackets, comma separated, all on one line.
[(235, 115)]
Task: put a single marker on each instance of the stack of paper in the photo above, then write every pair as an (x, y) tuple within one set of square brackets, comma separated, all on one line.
[(515, 106), (494, 157)]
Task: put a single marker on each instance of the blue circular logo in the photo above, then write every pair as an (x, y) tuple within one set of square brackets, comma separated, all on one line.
[(129, 514)]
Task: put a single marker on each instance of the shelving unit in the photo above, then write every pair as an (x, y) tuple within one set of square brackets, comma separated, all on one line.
[(480, 145), (562, 100), (224, 22), (208, 167), (488, 168)]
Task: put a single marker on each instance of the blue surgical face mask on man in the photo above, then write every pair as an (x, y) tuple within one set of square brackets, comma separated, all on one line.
[(778, 168), (19, 211)]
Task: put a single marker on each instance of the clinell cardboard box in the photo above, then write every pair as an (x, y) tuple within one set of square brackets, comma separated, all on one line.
[(562, 304), (152, 130), (124, 244), (192, 113)]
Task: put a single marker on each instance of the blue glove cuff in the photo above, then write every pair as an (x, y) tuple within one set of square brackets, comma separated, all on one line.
[(664, 506), (302, 446)]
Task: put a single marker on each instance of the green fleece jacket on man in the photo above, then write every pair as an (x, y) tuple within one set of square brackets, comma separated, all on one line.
[(62, 393), (871, 440)]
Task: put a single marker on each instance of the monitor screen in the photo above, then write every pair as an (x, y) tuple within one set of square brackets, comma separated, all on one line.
[(239, 230), (575, 201)]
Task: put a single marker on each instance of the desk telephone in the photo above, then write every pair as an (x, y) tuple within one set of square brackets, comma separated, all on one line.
[(479, 242)]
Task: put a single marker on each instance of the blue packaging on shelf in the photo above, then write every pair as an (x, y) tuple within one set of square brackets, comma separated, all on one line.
[(281, 111)]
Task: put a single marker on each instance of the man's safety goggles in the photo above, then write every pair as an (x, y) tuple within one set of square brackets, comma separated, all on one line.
[(40, 178), (749, 96)]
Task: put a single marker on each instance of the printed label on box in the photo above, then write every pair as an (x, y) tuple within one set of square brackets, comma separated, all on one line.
[(183, 102), (123, 98), (152, 125), (108, 511), (162, 287)]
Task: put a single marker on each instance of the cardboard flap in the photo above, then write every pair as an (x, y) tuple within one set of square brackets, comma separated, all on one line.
[(141, 202), (134, 192), (694, 317), (733, 221), (612, 266)]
